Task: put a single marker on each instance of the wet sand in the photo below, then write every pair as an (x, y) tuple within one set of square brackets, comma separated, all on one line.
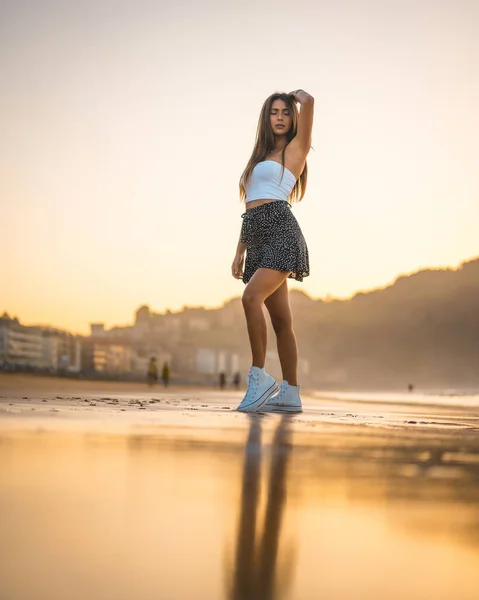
[(118, 491)]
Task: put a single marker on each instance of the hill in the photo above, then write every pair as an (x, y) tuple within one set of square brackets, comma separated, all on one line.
[(423, 328)]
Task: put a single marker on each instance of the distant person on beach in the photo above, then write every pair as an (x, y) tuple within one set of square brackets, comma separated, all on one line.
[(222, 380), (165, 374), (410, 387), (236, 380), (271, 246), (152, 374)]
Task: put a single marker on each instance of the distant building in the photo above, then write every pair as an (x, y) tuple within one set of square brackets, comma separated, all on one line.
[(206, 361), (230, 313), (169, 324), (125, 332), (211, 361), (20, 346), (37, 348), (97, 329), (303, 367), (61, 351), (198, 324), (139, 364), (107, 356), (143, 322)]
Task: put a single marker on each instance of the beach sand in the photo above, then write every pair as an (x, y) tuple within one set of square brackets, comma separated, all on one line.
[(116, 491)]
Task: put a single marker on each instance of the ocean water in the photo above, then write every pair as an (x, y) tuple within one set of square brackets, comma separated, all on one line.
[(447, 398)]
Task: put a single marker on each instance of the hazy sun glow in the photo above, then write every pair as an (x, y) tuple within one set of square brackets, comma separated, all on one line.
[(125, 128)]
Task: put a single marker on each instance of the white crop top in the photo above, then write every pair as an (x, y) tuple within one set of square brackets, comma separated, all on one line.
[(266, 183)]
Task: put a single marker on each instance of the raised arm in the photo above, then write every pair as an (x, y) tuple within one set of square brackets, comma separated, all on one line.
[(303, 137)]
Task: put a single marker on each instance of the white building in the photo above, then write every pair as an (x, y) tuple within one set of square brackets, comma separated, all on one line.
[(206, 361), (19, 345), (61, 351), (37, 347), (210, 361)]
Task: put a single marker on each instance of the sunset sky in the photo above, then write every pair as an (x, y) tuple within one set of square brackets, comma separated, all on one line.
[(125, 125)]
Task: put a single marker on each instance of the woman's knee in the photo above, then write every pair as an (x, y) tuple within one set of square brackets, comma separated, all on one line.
[(250, 299), (282, 323)]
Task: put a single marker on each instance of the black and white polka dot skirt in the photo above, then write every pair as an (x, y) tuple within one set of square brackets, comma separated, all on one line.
[(274, 240)]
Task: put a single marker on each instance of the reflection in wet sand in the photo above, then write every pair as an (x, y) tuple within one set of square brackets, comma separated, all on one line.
[(257, 548), (164, 504)]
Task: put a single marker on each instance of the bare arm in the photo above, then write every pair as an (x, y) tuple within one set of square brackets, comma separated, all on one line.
[(238, 262), (303, 137)]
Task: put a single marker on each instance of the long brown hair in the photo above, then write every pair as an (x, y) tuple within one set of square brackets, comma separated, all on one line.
[(264, 145)]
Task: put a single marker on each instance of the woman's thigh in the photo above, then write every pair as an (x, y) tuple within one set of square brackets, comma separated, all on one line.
[(264, 283)]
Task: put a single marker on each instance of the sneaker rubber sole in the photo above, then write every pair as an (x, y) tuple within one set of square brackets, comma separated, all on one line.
[(259, 402), (281, 409)]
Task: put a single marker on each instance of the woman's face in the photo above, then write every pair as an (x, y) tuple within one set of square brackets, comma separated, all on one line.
[(280, 117)]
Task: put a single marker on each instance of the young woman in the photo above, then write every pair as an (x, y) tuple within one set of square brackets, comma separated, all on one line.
[(275, 249)]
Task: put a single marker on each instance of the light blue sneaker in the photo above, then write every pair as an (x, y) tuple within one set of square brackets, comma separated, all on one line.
[(287, 400), (261, 386)]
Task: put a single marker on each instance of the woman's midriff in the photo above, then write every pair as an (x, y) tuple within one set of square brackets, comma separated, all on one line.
[(255, 203)]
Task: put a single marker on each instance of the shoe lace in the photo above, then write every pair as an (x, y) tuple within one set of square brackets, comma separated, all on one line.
[(282, 389), (253, 381)]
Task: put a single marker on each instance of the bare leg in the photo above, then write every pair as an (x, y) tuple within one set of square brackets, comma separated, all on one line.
[(282, 320), (263, 283)]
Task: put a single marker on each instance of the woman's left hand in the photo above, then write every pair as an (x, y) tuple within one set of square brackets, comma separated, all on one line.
[(300, 96), (237, 266)]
